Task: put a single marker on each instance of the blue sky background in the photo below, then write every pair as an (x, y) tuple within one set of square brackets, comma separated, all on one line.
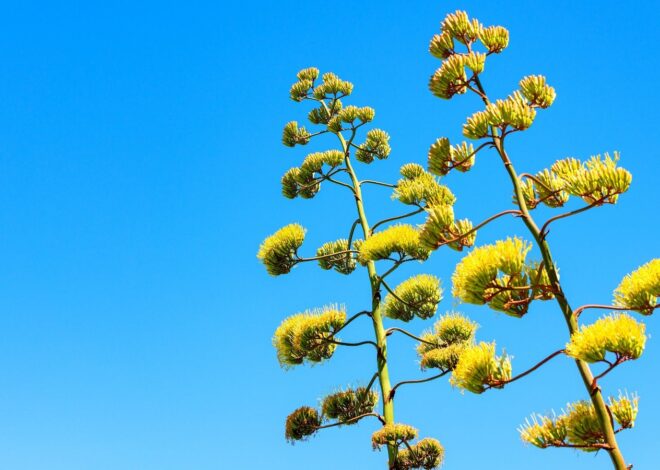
[(140, 160)]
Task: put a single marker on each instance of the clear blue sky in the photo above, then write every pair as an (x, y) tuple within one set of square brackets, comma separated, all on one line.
[(140, 160)]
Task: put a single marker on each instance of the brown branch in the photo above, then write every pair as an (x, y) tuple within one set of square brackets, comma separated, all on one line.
[(501, 383), (389, 331), (474, 229), (418, 381), (391, 219), (544, 232)]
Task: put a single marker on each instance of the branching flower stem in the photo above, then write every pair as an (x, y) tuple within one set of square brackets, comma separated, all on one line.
[(391, 330), (601, 409), (527, 372), (418, 381), (376, 309)]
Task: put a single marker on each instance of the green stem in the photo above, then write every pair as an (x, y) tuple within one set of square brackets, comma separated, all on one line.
[(602, 411), (376, 314)]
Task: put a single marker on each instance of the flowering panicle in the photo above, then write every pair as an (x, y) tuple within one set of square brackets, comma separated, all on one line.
[(617, 333), (420, 294), (340, 261), (495, 38), (308, 336), (640, 289), (306, 180), (537, 92), (347, 406), (514, 112), (479, 368), (279, 251), (402, 239)]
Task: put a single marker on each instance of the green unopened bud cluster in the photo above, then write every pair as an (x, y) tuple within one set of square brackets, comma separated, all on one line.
[(640, 289), (347, 406), (308, 336), (619, 334), (578, 426), (278, 252), (302, 423), (499, 276), (479, 368), (294, 135), (442, 347), (420, 294)]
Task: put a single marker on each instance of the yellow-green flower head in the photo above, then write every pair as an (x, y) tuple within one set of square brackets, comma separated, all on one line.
[(596, 181), (543, 431), (302, 423), (442, 348), (347, 405), (428, 453), (495, 38), (479, 367), (300, 90), (293, 135), (640, 289), (393, 434), (343, 263), (442, 45), (443, 157), (311, 73), (418, 187), (376, 145), (443, 358), (450, 79), (583, 427), (514, 112), (617, 333), (279, 251), (625, 409), (537, 92), (529, 196), (461, 27), (308, 335), (550, 189), (402, 239), (323, 114), (440, 228), (421, 294), (494, 274)]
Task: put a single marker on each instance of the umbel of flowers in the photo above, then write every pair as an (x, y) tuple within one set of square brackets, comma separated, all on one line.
[(501, 276)]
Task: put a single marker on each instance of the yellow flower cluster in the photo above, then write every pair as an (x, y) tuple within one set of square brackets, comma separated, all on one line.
[(343, 263), (537, 92), (440, 228), (419, 187), (376, 145), (578, 426), (293, 135), (451, 334), (479, 368), (420, 294), (306, 180), (402, 239), (306, 77), (393, 434), (443, 157), (640, 289), (514, 112), (617, 333), (278, 252), (498, 276), (307, 336), (428, 453), (347, 405), (451, 78)]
